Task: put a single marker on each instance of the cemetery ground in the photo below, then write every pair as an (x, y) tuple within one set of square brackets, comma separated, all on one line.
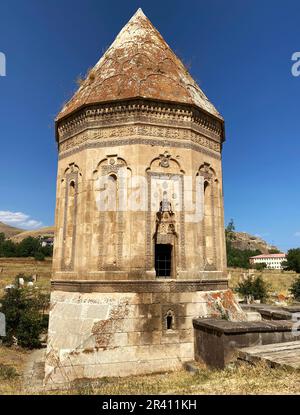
[(241, 378), (11, 267), (237, 379)]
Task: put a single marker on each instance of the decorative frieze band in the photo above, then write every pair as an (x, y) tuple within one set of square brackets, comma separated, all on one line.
[(140, 111), (139, 130), (188, 144)]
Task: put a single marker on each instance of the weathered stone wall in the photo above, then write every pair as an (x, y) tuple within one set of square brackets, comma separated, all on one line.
[(119, 334), (121, 244)]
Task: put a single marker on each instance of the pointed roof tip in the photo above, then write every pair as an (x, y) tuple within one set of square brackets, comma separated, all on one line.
[(139, 12)]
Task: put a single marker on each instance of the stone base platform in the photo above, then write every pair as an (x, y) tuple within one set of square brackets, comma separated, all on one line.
[(99, 334)]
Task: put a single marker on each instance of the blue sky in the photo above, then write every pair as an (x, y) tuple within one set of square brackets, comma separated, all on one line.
[(239, 53)]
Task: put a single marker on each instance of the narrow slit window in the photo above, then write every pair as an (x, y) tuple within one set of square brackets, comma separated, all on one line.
[(169, 320)]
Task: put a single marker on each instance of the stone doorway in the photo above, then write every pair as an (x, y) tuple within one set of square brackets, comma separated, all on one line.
[(163, 260)]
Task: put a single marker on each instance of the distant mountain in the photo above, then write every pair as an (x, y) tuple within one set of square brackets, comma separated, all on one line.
[(9, 231), (243, 240), (47, 232)]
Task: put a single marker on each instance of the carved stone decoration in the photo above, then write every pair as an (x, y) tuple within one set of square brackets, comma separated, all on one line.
[(151, 235), (164, 159), (206, 171), (165, 227), (144, 111), (187, 144)]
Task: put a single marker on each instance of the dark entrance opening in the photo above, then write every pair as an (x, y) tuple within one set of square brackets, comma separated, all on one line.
[(163, 260)]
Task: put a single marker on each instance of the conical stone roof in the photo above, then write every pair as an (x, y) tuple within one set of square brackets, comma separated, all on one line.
[(139, 63)]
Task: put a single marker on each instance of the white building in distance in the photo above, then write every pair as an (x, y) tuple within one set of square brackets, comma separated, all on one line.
[(273, 261)]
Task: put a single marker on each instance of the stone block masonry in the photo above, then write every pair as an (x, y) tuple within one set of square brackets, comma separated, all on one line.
[(119, 334)]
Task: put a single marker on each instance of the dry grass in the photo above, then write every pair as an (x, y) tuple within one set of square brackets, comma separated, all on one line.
[(278, 281), (243, 379), (238, 379), (16, 358)]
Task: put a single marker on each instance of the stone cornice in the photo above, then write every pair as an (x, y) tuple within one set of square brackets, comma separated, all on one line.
[(142, 111), (142, 286)]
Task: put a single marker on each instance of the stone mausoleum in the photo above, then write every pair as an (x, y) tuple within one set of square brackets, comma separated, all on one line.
[(139, 244)]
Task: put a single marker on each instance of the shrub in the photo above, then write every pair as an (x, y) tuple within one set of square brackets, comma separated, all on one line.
[(260, 266), (254, 287), (7, 372), (24, 310), (295, 289), (39, 256)]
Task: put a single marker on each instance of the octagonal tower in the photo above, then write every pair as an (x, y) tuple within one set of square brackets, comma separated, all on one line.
[(139, 244)]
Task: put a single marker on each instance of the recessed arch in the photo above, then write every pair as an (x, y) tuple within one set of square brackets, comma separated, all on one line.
[(169, 320), (70, 189)]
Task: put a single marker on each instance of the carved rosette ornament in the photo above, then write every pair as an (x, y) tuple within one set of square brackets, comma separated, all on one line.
[(164, 159)]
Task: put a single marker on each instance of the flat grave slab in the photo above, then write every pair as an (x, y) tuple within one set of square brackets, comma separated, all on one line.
[(276, 355)]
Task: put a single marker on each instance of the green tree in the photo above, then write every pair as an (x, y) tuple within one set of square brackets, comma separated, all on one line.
[(28, 247), (292, 262), (254, 287), (295, 289), (8, 249), (2, 237), (229, 230), (238, 258), (24, 310), (47, 250)]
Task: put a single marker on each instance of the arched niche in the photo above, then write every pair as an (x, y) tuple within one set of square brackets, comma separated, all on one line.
[(210, 227), (70, 189), (111, 187)]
